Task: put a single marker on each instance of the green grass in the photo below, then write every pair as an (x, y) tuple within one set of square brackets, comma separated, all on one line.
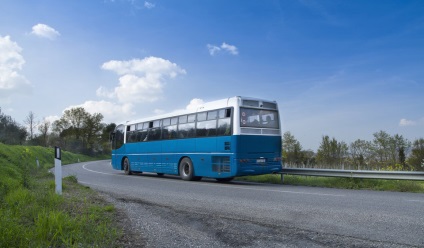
[(32, 215), (343, 183)]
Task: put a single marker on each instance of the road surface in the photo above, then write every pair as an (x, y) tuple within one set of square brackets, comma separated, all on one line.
[(169, 212)]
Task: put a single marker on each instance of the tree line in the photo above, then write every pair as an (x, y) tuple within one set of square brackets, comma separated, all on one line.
[(384, 152), (81, 132), (76, 131)]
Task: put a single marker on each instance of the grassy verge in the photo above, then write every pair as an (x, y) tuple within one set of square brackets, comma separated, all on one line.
[(343, 183), (32, 215)]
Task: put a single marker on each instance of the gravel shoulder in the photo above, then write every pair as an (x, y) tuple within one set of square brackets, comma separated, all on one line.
[(147, 224)]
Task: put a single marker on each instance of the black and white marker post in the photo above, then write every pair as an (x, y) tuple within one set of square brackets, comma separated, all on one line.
[(58, 169)]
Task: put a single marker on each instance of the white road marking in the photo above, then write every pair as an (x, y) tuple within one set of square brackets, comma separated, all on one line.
[(218, 185)]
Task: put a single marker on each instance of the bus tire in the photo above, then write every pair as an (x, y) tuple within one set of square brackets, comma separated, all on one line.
[(186, 169), (127, 167)]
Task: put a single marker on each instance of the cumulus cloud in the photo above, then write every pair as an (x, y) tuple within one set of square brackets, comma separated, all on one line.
[(140, 80), (112, 112), (51, 118), (229, 48), (11, 62), (213, 49), (405, 122), (194, 104), (44, 31), (149, 5)]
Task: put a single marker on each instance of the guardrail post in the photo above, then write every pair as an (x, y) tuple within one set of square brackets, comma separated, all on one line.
[(282, 178), (58, 169)]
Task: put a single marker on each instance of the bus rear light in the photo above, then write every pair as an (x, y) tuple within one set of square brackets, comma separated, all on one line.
[(277, 159), (244, 161)]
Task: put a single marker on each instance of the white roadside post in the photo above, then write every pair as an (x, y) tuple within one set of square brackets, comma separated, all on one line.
[(58, 169)]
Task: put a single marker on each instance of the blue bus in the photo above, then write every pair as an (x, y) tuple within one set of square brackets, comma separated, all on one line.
[(237, 136)]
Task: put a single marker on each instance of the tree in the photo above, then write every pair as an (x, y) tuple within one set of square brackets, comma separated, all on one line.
[(92, 130), (361, 153), (416, 160), (80, 131), (11, 132), (399, 146), (44, 128), (381, 146), (31, 124), (332, 153), (291, 150), (390, 150)]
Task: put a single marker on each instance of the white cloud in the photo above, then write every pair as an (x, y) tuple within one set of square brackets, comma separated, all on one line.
[(158, 111), (140, 80), (229, 48), (149, 5), (51, 118), (112, 112), (194, 104), (44, 31), (213, 49), (405, 122), (11, 62)]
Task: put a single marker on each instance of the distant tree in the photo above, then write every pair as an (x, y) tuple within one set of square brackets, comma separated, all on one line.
[(76, 117), (332, 153), (390, 150), (308, 158), (416, 160), (11, 132), (31, 124), (361, 153), (399, 147), (80, 131), (44, 129), (92, 131), (292, 150), (105, 142), (381, 146)]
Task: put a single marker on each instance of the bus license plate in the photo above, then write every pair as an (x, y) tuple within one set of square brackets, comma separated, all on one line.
[(261, 161)]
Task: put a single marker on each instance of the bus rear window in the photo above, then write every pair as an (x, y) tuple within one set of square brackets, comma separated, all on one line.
[(258, 118)]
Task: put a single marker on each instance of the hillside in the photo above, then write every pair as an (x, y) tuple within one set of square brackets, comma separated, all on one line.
[(32, 215)]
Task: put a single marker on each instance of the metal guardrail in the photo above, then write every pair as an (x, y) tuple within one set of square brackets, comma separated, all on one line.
[(395, 175)]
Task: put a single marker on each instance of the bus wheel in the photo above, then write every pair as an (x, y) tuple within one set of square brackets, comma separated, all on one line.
[(127, 167), (224, 179), (160, 174), (186, 169)]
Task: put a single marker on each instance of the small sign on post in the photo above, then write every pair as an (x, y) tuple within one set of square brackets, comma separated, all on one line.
[(58, 169)]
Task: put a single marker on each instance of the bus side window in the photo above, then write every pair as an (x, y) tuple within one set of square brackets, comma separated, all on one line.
[(118, 137), (224, 127), (154, 134)]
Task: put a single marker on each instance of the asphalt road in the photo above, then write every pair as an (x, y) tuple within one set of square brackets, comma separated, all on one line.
[(169, 212)]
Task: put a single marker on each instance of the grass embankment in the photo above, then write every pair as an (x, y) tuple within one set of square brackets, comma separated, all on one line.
[(342, 183), (33, 215)]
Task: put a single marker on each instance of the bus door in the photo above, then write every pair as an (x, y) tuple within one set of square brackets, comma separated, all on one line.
[(117, 138)]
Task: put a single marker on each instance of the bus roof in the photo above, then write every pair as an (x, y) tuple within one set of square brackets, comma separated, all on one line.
[(223, 103)]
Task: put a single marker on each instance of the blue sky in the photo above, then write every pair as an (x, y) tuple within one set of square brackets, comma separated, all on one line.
[(346, 69)]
